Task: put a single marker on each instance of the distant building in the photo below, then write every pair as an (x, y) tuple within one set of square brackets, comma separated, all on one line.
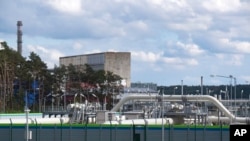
[(117, 62), (138, 87), (146, 86)]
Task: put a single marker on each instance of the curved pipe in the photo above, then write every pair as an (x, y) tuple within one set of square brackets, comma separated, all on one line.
[(193, 98)]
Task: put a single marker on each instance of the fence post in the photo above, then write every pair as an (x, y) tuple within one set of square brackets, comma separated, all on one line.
[(54, 132), (115, 132), (220, 131), (70, 129), (36, 129), (132, 132), (169, 133), (110, 127), (195, 130), (100, 133), (85, 137), (10, 129), (204, 132), (61, 120), (110, 131)]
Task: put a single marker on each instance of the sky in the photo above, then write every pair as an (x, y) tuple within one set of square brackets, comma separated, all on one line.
[(171, 41)]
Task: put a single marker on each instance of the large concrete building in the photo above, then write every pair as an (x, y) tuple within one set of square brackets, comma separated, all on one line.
[(117, 62)]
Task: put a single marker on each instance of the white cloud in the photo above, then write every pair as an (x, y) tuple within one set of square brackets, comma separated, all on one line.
[(55, 54), (190, 49), (246, 78), (192, 62), (180, 62), (220, 56), (230, 59), (139, 25), (147, 56), (50, 56), (1, 48), (191, 23), (172, 60), (158, 61), (169, 5), (66, 6), (31, 48), (93, 51), (77, 46), (222, 5), (236, 46), (42, 49), (1, 44), (235, 60)]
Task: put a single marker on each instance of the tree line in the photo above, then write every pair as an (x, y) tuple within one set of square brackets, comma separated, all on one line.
[(29, 81)]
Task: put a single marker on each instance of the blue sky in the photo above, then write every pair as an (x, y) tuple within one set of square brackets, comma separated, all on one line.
[(169, 40)]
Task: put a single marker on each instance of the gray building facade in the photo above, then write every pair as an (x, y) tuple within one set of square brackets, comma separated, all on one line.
[(117, 62)]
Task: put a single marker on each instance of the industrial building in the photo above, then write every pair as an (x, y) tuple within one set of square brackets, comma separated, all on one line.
[(117, 62)]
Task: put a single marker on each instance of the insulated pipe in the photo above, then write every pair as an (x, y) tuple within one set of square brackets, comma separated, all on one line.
[(226, 119), (193, 98)]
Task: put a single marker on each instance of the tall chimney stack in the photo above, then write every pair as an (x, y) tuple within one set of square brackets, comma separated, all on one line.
[(19, 37)]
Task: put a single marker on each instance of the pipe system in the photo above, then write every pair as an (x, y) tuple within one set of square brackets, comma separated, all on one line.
[(192, 98)]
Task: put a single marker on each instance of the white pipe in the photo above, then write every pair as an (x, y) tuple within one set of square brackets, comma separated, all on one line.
[(157, 121), (193, 98), (38, 120), (227, 120)]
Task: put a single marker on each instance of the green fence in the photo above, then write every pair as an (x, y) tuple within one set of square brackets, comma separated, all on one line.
[(87, 132)]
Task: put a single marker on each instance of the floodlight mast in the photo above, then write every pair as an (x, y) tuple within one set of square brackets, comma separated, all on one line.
[(231, 89), (231, 77), (27, 110)]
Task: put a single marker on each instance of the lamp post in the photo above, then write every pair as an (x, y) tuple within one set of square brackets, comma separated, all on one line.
[(33, 85), (230, 77), (64, 99), (52, 103), (241, 94), (97, 100), (44, 101), (75, 98), (181, 87), (27, 110), (113, 97), (175, 88), (162, 122), (105, 102), (65, 78), (105, 97)]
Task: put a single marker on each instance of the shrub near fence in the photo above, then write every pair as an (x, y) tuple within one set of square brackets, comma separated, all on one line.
[(93, 132)]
